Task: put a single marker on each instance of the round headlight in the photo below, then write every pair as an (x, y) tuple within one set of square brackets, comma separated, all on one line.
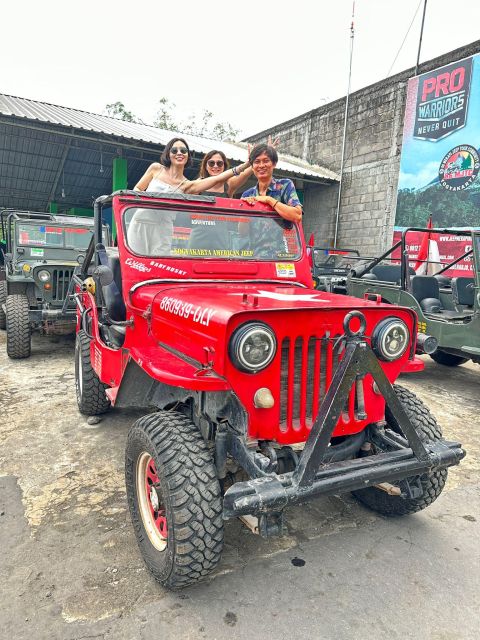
[(253, 347), (390, 339), (43, 275)]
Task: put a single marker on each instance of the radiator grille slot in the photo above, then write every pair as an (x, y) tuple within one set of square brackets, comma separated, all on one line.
[(307, 367), (60, 283)]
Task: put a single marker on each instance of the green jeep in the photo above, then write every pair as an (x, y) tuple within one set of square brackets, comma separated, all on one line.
[(39, 253), (448, 308)]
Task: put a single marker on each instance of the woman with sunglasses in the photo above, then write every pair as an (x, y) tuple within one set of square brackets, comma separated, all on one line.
[(213, 164), (147, 233)]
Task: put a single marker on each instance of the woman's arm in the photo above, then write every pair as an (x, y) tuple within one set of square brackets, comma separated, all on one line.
[(203, 184), (238, 181), (147, 177)]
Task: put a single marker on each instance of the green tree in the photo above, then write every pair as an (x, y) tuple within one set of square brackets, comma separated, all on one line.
[(118, 110)]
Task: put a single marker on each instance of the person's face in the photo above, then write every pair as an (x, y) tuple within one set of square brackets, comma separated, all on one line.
[(263, 167), (179, 153), (215, 165)]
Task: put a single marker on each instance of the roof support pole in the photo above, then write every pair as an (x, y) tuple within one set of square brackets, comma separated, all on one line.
[(61, 167), (119, 181)]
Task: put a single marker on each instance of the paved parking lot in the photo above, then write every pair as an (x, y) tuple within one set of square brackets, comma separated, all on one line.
[(70, 568)]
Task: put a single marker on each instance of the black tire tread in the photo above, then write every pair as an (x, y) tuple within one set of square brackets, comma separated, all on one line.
[(93, 401), (18, 327), (428, 430), (447, 359), (194, 494), (3, 300)]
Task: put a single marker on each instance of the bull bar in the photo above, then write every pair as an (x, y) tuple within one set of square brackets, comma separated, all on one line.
[(408, 457)]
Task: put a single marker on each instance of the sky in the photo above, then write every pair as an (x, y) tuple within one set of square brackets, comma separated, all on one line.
[(254, 64)]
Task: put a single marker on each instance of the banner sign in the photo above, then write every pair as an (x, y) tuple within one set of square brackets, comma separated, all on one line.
[(440, 161), (450, 248)]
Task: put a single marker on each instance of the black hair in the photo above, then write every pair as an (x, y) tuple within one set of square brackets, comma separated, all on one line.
[(165, 157), (258, 149)]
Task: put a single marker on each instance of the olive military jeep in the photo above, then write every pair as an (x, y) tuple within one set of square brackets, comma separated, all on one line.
[(40, 253), (258, 390), (448, 308)]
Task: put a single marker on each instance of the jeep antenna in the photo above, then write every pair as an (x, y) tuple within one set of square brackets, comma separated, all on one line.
[(347, 100)]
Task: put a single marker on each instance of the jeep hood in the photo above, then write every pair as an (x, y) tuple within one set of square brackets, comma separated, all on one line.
[(194, 318)]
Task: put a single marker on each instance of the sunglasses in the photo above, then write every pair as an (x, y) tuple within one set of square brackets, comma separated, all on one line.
[(175, 150), (215, 163)]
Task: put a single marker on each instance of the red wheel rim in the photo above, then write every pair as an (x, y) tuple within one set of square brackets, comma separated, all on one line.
[(151, 502), (155, 499)]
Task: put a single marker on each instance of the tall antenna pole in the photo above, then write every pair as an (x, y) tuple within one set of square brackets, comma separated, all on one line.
[(421, 36), (344, 142)]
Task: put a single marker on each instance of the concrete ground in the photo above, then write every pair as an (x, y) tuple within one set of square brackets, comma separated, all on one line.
[(70, 567)]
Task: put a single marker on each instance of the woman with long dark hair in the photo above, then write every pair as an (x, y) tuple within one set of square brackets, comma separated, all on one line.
[(215, 163)]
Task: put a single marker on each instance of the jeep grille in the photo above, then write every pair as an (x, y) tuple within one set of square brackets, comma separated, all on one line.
[(307, 367), (60, 282)]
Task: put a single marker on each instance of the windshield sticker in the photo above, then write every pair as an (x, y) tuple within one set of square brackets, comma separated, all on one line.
[(56, 230), (202, 315), (139, 266), (213, 253), (36, 252), (160, 265), (285, 269)]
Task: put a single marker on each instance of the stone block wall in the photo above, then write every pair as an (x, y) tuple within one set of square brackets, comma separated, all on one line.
[(372, 159)]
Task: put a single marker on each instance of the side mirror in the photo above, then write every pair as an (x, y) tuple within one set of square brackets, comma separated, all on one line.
[(80, 258), (104, 275)]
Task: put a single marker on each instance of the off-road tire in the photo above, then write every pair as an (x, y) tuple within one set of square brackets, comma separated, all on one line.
[(18, 327), (3, 300), (448, 359), (190, 495), (90, 391), (428, 430)]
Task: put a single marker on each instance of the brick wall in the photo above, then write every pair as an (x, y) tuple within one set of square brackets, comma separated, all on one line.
[(372, 159)]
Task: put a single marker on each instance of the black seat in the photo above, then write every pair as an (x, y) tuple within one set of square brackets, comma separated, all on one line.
[(390, 272), (112, 293), (463, 291), (426, 291)]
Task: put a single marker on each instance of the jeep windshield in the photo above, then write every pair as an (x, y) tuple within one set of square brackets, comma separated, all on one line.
[(197, 234), (47, 235)]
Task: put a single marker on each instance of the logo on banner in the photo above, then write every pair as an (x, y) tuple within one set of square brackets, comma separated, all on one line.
[(459, 168), (442, 101)]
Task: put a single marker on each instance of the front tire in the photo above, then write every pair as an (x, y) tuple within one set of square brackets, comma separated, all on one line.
[(174, 499), (3, 301), (448, 359), (90, 391), (18, 327), (432, 484)]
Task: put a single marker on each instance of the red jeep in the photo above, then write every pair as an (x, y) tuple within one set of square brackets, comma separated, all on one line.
[(259, 391)]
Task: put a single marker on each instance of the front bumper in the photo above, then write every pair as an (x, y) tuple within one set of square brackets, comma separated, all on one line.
[(401, 457), (273, 493)]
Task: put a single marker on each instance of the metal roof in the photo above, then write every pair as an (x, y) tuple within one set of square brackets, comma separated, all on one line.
[(54, 153)]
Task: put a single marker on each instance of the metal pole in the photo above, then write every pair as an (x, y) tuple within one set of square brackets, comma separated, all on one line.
[(421, 36), (347, 100)]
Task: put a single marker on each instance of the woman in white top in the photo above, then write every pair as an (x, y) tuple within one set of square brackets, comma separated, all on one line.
[(150, 231)]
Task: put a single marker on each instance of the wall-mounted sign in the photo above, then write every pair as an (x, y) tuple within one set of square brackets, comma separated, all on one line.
[(440, 161)]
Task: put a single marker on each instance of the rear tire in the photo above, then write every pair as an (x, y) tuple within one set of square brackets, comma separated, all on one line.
[(90, 391), (448, 359), (174, 499), (18, 327), (3, 301), (432, 484)]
